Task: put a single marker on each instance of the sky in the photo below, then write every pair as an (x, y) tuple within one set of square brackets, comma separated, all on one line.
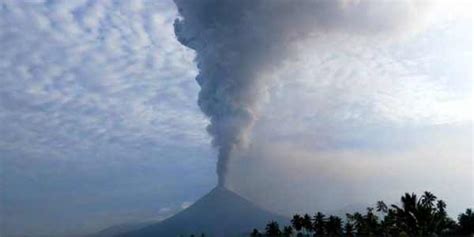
[(99, 121)]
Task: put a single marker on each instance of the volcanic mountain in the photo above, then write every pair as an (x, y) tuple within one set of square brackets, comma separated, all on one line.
[(220, 213)]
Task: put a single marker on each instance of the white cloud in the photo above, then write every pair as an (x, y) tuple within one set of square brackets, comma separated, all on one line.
[(94, 95), (81, 74), (164, 210), (186, 204)]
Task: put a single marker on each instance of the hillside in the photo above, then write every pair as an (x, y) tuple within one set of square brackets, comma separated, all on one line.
[(220, 213)]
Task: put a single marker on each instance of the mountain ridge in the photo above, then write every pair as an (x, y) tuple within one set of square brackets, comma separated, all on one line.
[(221, 212)]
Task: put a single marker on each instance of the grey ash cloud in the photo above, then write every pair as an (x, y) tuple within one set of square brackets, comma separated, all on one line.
[(238, 42)]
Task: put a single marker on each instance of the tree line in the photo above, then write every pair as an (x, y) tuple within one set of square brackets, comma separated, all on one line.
[(424, 216)]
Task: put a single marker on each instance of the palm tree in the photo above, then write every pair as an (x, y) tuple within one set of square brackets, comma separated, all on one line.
[(371, 222), (440, 220), (414, 217), (389, 224), (420, 217), (466, 222), (272, 229), (287, 231), (441, 205), (307, 223), (406, 218), (334, 226), (319, 224), (428, 199), (359, 223), (348, 229), (255, 233), (382, 207), (297, 222)]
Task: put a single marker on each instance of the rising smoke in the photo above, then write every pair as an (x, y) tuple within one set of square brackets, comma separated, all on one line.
[(238, 41)]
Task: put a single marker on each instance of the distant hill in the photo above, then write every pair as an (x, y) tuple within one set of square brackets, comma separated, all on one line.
[(116, 230), (220, 213)]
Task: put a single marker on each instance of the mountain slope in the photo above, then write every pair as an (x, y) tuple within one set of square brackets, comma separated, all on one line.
[(121, 229), (219, 213)]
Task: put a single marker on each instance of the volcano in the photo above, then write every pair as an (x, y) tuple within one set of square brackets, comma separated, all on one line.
[(219, 213)]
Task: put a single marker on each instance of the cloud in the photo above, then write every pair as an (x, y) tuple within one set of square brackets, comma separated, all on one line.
[(98, 114), (352, 119), (164, 210), (236, 44), (186, 204), (350, 90), (288, 176), (93, 92), (93, 74)]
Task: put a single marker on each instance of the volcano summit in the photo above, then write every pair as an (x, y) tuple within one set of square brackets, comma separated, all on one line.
[(220, 213)]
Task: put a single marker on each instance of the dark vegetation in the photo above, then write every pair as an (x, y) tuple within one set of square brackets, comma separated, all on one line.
[(424, 216)]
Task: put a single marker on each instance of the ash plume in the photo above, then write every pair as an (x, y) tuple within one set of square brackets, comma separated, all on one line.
[(238, 41)]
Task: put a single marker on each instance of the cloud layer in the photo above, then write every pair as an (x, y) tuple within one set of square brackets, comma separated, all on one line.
[(99, 123), (97, 99), (99, 72), (351, 120)]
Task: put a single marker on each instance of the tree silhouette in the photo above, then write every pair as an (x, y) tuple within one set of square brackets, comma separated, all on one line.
[(307, 223), (334, 226), (406, 218), (424, 216), (319, 224), (382, 207), (428, 199), (358, 222), (466, 222), (372, 222), (349, 229), (441, 205), (297, 222), (442, 223), (389, 224), (255, 233), (365, 224), (272, 229), (287, 231)]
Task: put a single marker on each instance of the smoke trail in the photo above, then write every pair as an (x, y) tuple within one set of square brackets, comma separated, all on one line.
[(237, 41)]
